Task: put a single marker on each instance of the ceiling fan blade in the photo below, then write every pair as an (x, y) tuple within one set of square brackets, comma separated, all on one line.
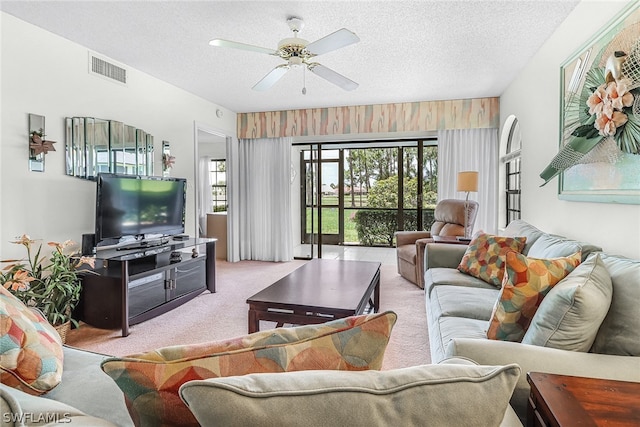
[(242, 46), (272, 77), (333, 41), (333, 77)]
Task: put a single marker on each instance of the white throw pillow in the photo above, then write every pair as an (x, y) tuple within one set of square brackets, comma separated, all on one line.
[(434, 395), (571, 313)]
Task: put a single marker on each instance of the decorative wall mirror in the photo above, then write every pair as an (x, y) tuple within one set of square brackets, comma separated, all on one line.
[(141, 152), (149, 154), (102, 146), (36, 126), (75, 129), (116, 147), (129, 164), (90, 154), (68, 149), (97, 145)]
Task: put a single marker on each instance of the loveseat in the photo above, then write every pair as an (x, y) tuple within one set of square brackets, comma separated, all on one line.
[(461, 309)]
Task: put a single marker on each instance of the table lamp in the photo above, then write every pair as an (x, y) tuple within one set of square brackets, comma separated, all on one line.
[(467, 181)]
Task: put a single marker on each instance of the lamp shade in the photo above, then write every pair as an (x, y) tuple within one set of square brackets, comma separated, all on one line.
[(468, 181)]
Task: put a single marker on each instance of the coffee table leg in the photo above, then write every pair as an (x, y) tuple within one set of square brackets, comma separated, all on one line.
[(254, 323)]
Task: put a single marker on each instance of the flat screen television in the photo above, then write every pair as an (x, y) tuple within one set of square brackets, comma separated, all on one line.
[(134, 209)]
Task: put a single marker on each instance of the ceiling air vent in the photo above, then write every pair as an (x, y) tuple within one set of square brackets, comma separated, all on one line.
[(105, 68)]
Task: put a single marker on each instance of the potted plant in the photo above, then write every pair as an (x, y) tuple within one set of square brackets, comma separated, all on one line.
[(52, 285)]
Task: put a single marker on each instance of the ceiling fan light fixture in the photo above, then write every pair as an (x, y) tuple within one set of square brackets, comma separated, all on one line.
[(298, 52)]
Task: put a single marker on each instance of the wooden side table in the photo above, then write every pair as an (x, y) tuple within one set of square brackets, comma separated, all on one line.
[(561, 400)]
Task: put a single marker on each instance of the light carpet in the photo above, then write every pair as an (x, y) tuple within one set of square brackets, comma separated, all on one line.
[(223, 315)]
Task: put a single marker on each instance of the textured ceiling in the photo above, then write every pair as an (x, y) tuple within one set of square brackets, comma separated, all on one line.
[(409, 50)]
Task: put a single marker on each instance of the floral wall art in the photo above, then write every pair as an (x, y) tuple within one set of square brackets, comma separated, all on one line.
[(599, 157)]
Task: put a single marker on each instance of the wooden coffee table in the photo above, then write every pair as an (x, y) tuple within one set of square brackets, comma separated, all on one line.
[(561, 400), (317, 292)]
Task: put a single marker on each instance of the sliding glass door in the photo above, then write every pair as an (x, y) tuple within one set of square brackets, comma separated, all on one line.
[(362, 193)]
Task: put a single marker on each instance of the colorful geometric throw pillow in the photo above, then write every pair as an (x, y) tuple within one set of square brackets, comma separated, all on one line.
[(484, 258), (526, 282), (150, 381), (30, 348)]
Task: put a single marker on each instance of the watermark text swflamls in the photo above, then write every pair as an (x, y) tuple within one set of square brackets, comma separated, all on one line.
[(30, 417)]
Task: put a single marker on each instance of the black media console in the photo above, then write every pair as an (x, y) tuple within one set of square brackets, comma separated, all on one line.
[(131, 286)]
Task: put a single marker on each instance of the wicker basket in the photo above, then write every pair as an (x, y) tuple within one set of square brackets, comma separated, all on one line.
[(62, 331)]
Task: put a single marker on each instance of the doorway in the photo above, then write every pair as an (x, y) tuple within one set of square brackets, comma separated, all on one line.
[(210, 186)]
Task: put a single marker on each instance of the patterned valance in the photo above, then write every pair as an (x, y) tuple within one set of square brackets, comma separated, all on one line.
[(381, 118)]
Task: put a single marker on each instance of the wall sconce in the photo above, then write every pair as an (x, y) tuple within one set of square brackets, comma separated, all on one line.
[(167, 159), (38, 146)]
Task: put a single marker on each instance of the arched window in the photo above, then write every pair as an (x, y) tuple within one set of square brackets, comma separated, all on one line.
[(511, 161)]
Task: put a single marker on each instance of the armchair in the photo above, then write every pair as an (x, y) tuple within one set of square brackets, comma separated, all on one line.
[(449, 221)]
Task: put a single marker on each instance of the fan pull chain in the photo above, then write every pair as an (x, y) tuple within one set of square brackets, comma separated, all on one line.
[(304, 80)]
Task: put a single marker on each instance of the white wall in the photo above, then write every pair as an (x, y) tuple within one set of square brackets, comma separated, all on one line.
[(534, 97), (45, 74), (216, 150)]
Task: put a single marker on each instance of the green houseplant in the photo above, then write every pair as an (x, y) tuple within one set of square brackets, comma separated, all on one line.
[(52, 285)]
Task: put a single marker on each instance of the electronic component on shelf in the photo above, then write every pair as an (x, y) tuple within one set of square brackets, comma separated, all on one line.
[(176, 256)]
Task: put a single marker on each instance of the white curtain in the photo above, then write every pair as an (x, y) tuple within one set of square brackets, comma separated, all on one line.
[(265, 199), (233, 200), (204, 194), (471, 150)]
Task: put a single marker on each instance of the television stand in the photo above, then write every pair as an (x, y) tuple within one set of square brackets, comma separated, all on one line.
[(133, 285)]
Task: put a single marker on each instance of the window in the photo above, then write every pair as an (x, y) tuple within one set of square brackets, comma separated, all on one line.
[(512, 166), (368, 190), (218, 180)]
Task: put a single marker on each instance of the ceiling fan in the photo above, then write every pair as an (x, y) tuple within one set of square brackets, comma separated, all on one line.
[(298, 52)]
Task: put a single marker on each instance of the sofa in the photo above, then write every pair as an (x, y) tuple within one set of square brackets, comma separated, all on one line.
[(88, 398), (340, 384), (461, 310)]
